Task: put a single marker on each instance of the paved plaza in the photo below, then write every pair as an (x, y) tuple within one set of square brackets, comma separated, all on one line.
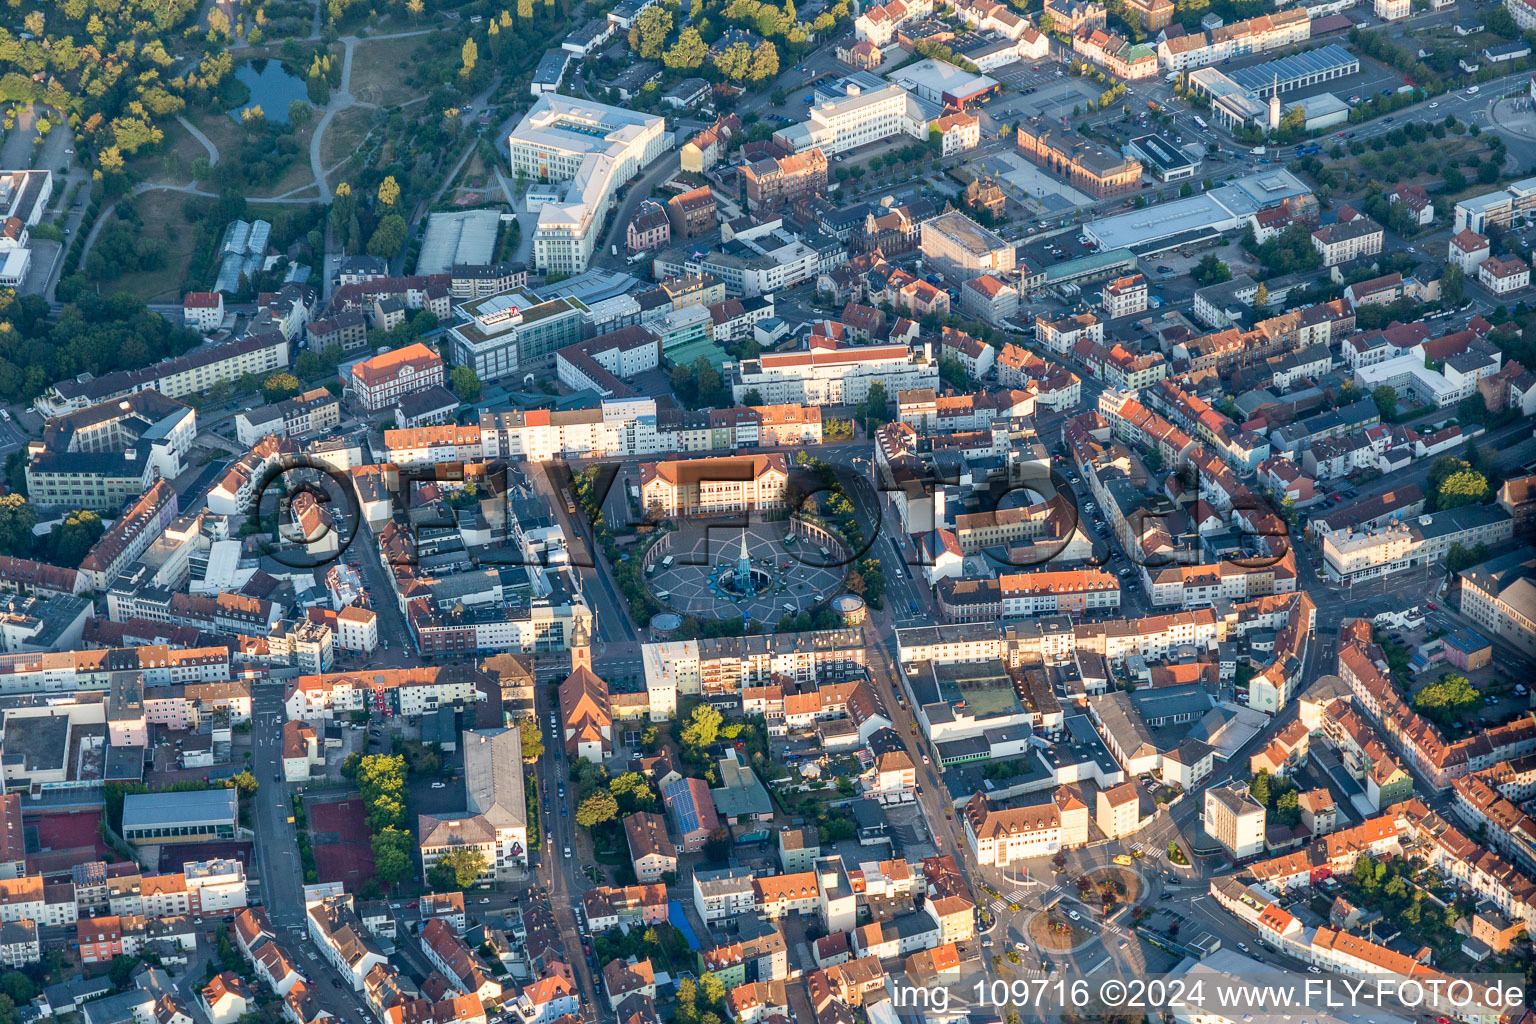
[(790, 578)]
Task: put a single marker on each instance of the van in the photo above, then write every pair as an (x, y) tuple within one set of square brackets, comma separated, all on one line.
[(567, 853)]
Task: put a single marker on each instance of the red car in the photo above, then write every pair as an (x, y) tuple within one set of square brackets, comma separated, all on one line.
[(412, 904), (1431, 607)]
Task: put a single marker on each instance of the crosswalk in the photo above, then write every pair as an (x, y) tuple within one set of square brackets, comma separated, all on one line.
[(1002, 902), (1145, 849)]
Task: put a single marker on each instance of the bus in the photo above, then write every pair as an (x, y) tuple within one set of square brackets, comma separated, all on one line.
[(666, 563), (650, 570), (826, 555), (1200, 123)]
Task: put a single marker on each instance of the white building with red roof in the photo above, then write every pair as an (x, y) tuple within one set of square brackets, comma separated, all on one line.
[(380, 381), (203, 311), (1468, 249)]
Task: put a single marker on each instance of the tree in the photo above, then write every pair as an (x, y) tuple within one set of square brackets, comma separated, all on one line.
[(1258, 787), (712, 989), (1464, 487), (300, 113), (244, 783), (457, 869), (470, 53), (1385, 398), (752, 396), (465, 383), (388, 237), (533, 739), (688, 53), (389, 191), (703, 727), (648, 35), (392, 855), (17, 518), (1260, 301), (597, 808), (1210, 270), (1446, 699), (280, 386), (734, 61), (765, 63), (1453, 283)]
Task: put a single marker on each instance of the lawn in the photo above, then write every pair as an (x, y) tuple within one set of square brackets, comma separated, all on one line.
[(344, 135), (380, 68), (151, 166), (163, 223)]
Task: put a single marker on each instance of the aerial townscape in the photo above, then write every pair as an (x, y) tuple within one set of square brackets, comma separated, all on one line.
[(712, 512)]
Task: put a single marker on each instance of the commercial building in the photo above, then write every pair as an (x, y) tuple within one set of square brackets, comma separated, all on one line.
[(1086, 164), (943, 83), (1162, 157), (963, 249), (514, 332), (197, 816), (1193, 218), (102, 456), (1500, 207), (595, 149)]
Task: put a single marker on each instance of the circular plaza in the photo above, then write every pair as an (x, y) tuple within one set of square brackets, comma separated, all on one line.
[(722, 569)]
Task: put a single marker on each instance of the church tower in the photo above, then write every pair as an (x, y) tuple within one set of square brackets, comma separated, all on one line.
[(581, 647)]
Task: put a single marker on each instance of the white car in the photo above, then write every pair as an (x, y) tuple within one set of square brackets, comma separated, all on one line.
[(1021, 947), (1074, 915), (439, 785), (567, 853)]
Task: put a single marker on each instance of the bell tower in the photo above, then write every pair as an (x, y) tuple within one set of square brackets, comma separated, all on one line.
[(581, 647)]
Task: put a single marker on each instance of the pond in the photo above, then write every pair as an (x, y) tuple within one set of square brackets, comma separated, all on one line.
[(272, 87)]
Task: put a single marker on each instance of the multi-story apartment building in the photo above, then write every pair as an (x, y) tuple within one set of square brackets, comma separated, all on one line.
[(1125, 296), (1502, 276), (1256, 35), (1517, 199), (313, 412), (1086, 164), (130, 535), (721, 668), (692, 213), (1500, 596), (1383, 550), (704, 487), (1235, 820), (203, 311), (770, 182), (595, 149)]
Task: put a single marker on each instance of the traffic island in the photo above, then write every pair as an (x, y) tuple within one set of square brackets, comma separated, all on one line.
[(1054, 932)]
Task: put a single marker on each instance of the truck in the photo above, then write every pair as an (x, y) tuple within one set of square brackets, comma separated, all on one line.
[(1257, 151)]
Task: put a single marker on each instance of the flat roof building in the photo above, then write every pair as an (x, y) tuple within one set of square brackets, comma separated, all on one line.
[(595, 149), (197, 816)]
